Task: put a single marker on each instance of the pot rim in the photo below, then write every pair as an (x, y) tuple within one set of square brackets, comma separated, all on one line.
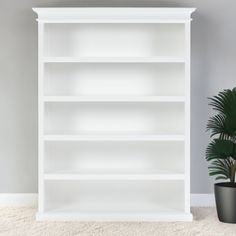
[(225, 185)]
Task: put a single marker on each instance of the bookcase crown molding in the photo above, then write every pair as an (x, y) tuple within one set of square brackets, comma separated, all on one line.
[(112, 14)]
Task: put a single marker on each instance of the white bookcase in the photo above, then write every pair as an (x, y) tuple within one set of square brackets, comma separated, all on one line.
[(114, 114)]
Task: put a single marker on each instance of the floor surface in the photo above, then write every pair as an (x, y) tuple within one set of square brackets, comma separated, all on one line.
[(21, 222)]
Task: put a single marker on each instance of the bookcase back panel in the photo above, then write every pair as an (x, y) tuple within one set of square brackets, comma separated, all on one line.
[(115, 196), (114, 79), (131, 40), (114, 157), (114, 118)]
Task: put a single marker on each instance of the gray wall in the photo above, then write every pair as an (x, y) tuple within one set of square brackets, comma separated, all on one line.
[(213, 68)]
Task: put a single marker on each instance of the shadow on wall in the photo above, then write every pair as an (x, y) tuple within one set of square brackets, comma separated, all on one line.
[(199, 107), (112, 3)]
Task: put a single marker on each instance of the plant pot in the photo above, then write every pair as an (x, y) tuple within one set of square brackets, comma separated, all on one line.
[(225, 196)]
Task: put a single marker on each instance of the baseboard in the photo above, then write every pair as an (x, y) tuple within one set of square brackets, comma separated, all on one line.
[(18, 199), (31, 199), (202, 200)]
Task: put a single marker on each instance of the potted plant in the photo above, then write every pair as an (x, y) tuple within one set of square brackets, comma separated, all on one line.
[(221, 153)]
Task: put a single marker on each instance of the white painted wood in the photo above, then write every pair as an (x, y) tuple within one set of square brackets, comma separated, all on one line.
[(145, 217), (112, 60), (133, 157), (114, 114), (187, 117), (40, 117), (113, 177), (115, 79), (113, 137), (114, 196), (114, 98), (114, 15), (18, 199), (114, 118), (114, 42)]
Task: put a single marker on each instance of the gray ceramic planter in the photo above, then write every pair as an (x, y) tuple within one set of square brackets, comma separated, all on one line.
[(225, 196)]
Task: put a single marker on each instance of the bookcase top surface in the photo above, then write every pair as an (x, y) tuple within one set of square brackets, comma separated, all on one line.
[(113, 14)]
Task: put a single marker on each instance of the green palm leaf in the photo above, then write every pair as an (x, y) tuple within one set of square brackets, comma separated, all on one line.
[(216, 124), (225, 102), (224, 169), (224, 123), (220, 149), (221, 152)]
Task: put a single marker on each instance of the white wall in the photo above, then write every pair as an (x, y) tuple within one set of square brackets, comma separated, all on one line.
[(213, 68)]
